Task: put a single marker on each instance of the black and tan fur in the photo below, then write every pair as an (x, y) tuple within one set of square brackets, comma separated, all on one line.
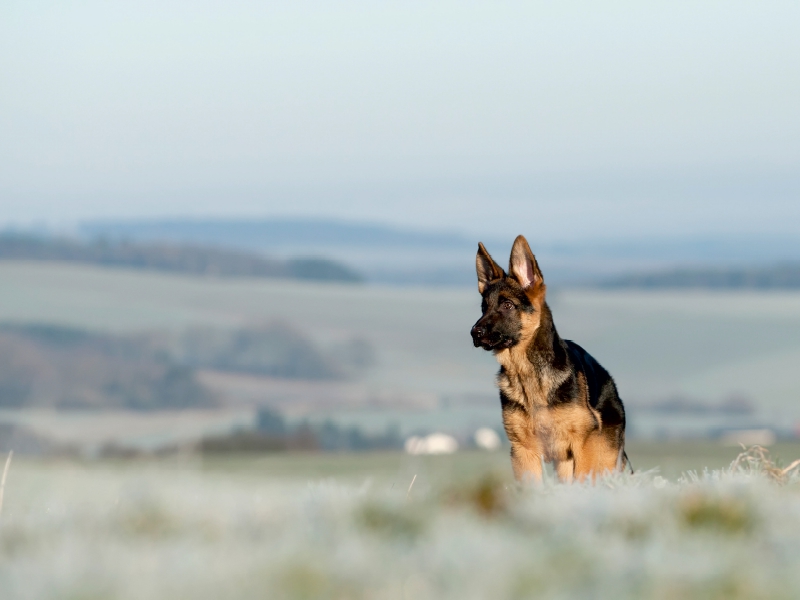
[(559, 405)]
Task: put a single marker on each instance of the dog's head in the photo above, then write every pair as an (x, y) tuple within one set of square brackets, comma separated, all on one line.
[(512, 303)]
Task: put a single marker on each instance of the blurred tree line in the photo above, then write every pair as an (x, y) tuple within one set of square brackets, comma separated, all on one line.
[(274, 433), (48, 366)]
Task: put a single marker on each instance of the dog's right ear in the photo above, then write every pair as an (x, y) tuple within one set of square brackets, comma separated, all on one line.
[(488, 270), (523, 266)]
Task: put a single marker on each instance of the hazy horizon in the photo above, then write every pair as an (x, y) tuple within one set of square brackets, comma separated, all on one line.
[(572, 119)]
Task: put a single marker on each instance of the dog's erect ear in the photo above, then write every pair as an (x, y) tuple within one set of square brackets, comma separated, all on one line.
[(488, 270), (523, 266)]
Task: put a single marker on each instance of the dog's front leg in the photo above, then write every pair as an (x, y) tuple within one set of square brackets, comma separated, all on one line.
[(526, 451), (565, 470), (526, 463)]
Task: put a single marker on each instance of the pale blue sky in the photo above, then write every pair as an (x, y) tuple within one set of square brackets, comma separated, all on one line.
[(573, 119)]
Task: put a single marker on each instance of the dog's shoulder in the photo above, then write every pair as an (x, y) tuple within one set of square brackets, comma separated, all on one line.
[(602, 390)]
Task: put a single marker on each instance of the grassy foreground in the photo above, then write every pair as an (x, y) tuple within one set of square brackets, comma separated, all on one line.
[(311, 526)]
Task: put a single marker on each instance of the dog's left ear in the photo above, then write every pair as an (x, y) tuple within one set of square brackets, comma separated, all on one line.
[(523, 266), (488, 270)]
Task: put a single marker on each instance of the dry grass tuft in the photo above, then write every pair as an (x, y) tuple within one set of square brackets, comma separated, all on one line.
[(3, 480), (757, 459)]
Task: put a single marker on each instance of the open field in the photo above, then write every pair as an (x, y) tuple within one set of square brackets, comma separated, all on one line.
[(344, 526), (668, 459), (705, 346)]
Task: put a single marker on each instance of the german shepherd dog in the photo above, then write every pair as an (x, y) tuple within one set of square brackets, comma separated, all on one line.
[(559, 405)]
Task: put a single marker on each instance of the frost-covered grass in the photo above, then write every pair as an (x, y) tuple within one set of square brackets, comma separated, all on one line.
[(162, 530)]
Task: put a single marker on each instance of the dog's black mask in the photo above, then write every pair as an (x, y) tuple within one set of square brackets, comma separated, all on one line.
[(504, 303)]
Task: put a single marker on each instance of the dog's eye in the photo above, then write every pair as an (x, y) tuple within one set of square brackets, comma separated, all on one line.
[(508, 305)]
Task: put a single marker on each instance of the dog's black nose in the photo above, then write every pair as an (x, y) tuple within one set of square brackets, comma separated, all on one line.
[(478, 332)]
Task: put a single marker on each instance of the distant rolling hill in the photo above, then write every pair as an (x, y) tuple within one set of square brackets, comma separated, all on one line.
[(46, 365), (384, 254), (179, 258), (783, 276), (397, 255), (273, 233)]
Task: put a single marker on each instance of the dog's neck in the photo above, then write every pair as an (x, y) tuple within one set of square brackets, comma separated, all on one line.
[(535, 366)]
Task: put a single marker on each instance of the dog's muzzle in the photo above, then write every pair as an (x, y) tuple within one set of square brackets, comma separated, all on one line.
[(478, 334), (482, 338)]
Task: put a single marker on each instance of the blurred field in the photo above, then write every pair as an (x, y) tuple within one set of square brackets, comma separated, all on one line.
[(307, 526), (704, 346)]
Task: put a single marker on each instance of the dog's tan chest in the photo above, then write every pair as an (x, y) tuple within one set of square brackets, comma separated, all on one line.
[(523, 384), (555, 429)]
